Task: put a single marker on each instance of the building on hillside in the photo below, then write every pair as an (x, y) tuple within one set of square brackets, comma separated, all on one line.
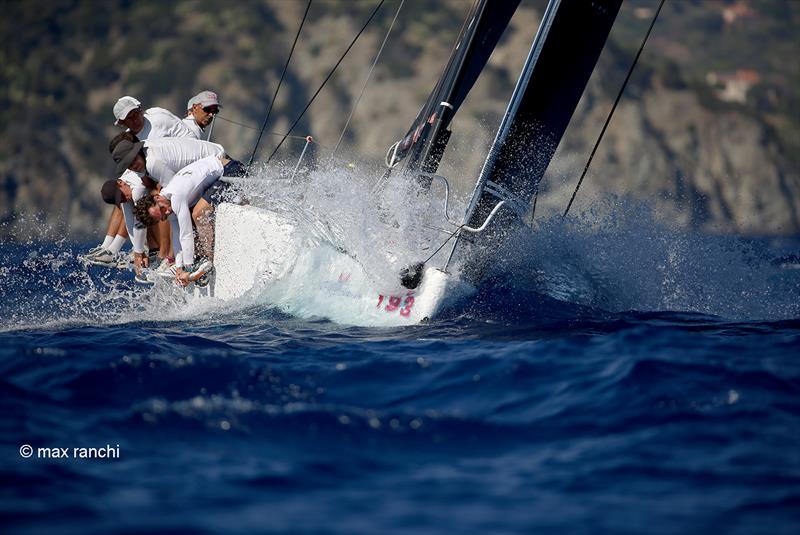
[(733, 87), (740, 10)]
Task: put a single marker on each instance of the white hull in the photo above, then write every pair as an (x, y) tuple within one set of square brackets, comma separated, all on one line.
[(260, 255)]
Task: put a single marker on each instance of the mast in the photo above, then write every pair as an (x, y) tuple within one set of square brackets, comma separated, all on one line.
[(425, 141), (563, 55)]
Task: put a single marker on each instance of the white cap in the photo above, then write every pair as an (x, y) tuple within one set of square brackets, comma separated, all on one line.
[(204, 98), (123, 107)]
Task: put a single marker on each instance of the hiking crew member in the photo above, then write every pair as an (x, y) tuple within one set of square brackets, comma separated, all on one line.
[(150, 124), (161, 158), (157, 160), (123, 193), (190, 196), (200, 112)]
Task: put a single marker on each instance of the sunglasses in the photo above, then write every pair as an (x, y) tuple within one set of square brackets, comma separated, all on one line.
[(213, 110)]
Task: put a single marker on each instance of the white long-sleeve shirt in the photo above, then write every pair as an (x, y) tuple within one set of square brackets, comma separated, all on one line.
[(159, 123), (167, 156), (183, 192), (137, 235), (193, 127)]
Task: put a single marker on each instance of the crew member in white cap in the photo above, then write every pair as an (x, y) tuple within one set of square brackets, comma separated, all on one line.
[(151, 123), (200, 112)]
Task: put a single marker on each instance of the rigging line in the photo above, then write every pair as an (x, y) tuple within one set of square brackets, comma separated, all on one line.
[(437, 229), (210, 130), (614, 107), (280, 81), (272, 133), (326, 79), (366, 81), (456, 44), (221, 118), (456, 231), (533, 209), (386, 174)]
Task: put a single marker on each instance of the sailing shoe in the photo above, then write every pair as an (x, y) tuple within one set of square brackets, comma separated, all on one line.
[(104, 258), (141, 278), (124, 260), (165, 270), (94, 250), (90, 254), (201, 274)]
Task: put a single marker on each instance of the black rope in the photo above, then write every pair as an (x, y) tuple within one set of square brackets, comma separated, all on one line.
[(533, 209), (614, 107), (326, 80), (272, 102)]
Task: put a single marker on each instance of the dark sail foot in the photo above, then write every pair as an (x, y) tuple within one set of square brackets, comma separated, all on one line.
[(411, 276), (234, 168)]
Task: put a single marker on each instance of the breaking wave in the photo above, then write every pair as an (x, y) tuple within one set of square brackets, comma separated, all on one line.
[(614, 258)]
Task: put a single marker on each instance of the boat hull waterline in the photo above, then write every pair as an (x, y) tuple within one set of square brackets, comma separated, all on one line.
[(260, 256)]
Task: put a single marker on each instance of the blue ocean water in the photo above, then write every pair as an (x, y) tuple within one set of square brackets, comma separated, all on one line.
[(625, 380)]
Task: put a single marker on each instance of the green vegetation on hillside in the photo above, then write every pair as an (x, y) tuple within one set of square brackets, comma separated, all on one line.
[(64, 63)]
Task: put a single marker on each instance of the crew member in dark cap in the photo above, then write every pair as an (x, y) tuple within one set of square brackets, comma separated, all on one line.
[(116, 192), (161, 158), (108, 252), (122, 193)]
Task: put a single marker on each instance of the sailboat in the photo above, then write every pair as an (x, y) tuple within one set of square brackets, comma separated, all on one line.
[(259, 251)]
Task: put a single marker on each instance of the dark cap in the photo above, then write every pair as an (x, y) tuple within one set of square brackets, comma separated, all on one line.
[(127, 134), (124, 153), (110, 192)]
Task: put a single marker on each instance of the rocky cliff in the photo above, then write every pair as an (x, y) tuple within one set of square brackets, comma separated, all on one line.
[(714, 169), (698, 135)]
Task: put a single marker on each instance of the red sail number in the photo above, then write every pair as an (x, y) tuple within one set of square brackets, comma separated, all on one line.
[(406, 310), (395, 303)]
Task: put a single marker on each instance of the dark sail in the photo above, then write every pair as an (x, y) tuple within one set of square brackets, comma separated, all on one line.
[(566, 49), (425, 141)]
